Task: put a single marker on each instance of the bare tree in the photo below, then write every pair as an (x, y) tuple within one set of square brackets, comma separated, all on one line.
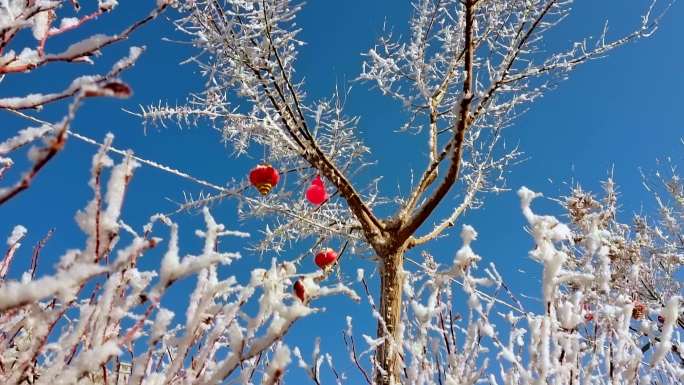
[(465, 71)]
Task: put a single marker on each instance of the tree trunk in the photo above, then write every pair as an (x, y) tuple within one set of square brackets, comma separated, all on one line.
[(392, 277)]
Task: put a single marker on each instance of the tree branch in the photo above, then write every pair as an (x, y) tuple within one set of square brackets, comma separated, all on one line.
[(462, 125)]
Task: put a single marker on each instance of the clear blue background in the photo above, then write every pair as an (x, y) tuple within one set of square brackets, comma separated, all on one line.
[(618, 113)]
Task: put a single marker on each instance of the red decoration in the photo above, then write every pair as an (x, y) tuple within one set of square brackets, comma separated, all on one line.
[(325, 258), (316, 193), (299, 290), (639, 310), (588, 315), (264, 177)]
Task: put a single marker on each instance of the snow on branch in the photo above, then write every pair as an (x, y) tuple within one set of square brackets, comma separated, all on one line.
[(253, 46), (456, 328), (55, 135), (76, 324), (464, 73), (40, 16)]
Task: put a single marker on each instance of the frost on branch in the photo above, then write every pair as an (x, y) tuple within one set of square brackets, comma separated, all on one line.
[(55, 135), (466, 69), (99, 313), (20, 57), (254, 46), (464, 72), (602, 320), (40, 16)]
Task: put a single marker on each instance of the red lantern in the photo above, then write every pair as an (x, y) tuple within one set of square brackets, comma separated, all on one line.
[(316, 193), (639, 310), (264, 177), (325, 258), (299, 290)]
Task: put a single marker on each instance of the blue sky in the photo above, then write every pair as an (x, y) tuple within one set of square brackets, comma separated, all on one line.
[(619, 113)]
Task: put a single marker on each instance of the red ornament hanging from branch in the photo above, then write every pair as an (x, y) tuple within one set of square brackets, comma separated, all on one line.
[(639, 310), (316, 193), (299, 290), (325, 258), (264, 177)]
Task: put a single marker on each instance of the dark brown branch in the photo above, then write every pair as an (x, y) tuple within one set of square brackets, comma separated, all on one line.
[(430, 173), (352, 349), (304, 128), (315, 156), (462, 125)]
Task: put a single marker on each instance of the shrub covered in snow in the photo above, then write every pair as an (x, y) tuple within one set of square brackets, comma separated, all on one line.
[(76, 325)]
